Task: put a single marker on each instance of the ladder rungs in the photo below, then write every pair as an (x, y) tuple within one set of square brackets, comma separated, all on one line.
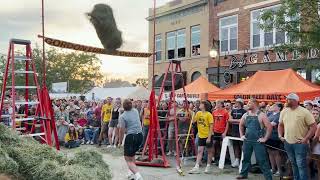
[(24, 119), (17, 115), (21, 129), (33, 135), (26, 103), (22, 58), (23, 87), (23, 72)]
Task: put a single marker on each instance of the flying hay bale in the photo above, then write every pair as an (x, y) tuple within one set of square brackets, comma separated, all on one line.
[(27, 159), (103, 21)]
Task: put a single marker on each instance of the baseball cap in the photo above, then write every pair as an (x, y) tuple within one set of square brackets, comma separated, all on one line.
[(240, 100), (293, 96)]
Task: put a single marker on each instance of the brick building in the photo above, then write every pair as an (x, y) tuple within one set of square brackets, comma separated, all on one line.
[(244, 47), (182, 33)]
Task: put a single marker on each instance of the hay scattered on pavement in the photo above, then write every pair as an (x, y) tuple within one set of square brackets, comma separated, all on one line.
[(27, 159)]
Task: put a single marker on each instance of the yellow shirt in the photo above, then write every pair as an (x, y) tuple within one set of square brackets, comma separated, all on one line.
[(146, 117), (296, 123), (107, 110), (67, 138), (203, 122)]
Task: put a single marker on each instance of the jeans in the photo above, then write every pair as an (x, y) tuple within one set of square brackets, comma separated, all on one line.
[(261, 156), (145, 135), (72, 144), (91, 134), (297, 154)]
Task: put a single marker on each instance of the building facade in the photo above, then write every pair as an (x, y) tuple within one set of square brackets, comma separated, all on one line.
[(182, 33), (245, 48)]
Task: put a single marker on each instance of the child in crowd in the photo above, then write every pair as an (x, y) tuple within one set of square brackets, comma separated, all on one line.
[(71, 138), (62, 129)]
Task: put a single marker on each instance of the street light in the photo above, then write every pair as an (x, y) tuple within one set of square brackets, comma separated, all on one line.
[(214, 53)]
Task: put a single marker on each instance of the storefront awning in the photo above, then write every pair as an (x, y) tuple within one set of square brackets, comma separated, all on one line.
[(270, 86)]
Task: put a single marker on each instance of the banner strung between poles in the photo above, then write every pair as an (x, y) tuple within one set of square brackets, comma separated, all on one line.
[(84, 48)]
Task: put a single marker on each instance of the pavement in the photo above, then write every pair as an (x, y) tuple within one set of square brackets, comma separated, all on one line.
[(119, 169)]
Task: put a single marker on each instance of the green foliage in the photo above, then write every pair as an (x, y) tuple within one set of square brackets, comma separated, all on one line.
[(142, 82), (25, 158)]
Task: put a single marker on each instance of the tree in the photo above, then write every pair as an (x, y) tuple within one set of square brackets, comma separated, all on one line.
[(300, 20), (142, 82), (116, 83)]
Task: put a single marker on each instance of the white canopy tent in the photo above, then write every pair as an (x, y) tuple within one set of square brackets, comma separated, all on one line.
[(98, 93), (63, 95)]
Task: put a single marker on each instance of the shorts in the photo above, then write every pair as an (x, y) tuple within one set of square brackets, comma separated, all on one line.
[(171, 131), (105, 127), (203, 142), (273, 143), (113, 123), (132, 144), (217, 137), (235, 130)]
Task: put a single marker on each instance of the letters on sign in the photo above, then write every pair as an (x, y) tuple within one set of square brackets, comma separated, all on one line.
[(235, 62), (273, 97)]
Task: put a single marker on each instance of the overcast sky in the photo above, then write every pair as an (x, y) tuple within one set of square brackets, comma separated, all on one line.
[(65, 19)]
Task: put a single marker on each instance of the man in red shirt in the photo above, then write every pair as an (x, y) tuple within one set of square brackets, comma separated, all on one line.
[(220, 127)]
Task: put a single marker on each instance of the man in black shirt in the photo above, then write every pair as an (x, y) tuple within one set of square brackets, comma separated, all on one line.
[(236, 115)]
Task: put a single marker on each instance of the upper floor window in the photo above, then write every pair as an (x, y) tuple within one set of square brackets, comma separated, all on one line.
[(158, 47), (171, 45), (228, 32), (176, 44), (195, 40), (181, 43), (261, 38)]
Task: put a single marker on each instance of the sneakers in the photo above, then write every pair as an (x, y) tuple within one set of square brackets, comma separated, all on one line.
[(114, 146), (194, 170), (207, 170), (169, 153), (277, 174), (82, 143), (88, 142), (109, 146), (236, 163), (174, 153), (91, 143), (131, 176)]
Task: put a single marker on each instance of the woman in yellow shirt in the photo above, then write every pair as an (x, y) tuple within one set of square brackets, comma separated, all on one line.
[(71, 138), (145, 121), (204, 121)]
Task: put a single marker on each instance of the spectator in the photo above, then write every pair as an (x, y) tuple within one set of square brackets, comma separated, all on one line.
[(63, 113), (274, 141), (129, 123), (204, 121), (62, 129), (255, 129), (184, 119), (106, 117), (298, 126), (92, 130), (71, 138), (171, 129), (236, 115), (309, 106), (113, 125), (81, 135), (316, 115), (220, 128), (82, 121)]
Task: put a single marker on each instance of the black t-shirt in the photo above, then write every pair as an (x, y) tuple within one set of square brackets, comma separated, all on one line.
[(237, 113)]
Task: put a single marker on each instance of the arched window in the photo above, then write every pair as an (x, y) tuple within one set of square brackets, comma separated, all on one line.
[(195, 76)]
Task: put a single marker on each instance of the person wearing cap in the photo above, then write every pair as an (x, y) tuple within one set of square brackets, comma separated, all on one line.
[(234, 120), (296, 127), (255, 129)]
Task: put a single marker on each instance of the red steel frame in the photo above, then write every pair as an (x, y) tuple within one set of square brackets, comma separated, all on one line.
[(44, 108)]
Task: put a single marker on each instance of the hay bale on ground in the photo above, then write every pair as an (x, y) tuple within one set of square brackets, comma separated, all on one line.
[(103, 21), (27, 159)]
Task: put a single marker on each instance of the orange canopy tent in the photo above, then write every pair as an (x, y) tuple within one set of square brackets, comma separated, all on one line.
[(198, 89), (270, 86)]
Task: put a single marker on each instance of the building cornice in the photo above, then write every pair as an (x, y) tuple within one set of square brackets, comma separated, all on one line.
[(171, 11)]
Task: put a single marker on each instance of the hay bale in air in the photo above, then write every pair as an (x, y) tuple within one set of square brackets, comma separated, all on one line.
[(103, 21)]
